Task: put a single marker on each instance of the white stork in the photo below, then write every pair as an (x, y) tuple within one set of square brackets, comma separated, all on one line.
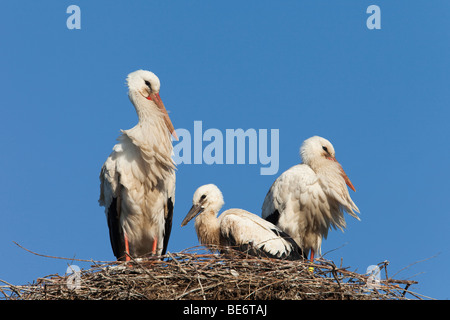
[(309, 198), (237, 228), (137, 181)]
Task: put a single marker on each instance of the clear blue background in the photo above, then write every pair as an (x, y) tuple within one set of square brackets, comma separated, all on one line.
[(303, 67)]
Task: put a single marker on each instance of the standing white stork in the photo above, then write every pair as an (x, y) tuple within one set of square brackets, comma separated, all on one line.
[(237, 228), (137, 181), (309, 198)]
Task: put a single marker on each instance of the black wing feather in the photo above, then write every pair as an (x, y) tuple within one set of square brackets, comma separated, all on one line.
[(295, 254), (274, 217), (115, 231), (167, 224)]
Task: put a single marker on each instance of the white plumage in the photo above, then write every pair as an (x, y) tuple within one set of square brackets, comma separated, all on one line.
[(137, 181), (237, 228), (309, 198)]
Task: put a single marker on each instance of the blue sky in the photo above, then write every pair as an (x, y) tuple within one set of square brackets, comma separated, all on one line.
[(303, 67)]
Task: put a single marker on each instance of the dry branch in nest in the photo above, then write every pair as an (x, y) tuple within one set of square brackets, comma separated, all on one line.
[(198, 274)]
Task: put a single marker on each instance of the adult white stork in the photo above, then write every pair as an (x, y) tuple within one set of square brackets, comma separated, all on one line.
[(309, 198), (237, 228), (137, 181)]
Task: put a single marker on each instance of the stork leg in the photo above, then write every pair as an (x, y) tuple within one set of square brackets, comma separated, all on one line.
[(155, 243), (127, 248), (311, 269)]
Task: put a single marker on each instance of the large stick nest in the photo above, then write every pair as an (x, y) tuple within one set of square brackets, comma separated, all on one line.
[(197, 274)]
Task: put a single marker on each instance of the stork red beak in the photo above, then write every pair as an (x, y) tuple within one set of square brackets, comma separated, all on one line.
[(157, 100), (344, 175)]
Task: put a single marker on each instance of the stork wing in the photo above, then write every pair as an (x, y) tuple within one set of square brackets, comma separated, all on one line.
[(110, 198), (121, 180), (156, 165), (133, 183), (168, 214), (298, 198), (249, 233)]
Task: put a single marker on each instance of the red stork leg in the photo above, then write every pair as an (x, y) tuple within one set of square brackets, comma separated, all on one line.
[(155, 243), (311, 269), (127, 248)]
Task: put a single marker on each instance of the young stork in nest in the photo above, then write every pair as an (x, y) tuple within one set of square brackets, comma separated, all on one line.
[(237, 228), (309, 198), (137, 181)]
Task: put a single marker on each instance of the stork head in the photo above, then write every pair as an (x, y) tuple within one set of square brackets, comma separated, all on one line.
[(316, 148), (144, 85), (144, 82), (317, 151), (207, 198)]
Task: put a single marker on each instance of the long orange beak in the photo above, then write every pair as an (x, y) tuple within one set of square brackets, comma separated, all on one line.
[(157, 100), (344, 175)]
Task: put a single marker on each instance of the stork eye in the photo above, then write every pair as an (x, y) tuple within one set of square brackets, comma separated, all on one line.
[(203, 197), (325, 149), (147, 83)]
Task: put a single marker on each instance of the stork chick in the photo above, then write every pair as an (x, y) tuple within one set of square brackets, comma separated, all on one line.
[(237, 228)]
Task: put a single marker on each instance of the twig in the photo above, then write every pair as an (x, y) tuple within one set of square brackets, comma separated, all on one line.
[(329, 251), (54, 257), (410, 265), (12, 287)]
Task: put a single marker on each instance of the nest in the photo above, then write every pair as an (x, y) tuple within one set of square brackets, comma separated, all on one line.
[(197, 274)]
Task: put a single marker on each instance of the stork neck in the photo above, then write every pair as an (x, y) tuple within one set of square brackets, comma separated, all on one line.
[(145, 109), (207, 227), (322, 165), (329, 170), (148, 111), (151, 131)]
